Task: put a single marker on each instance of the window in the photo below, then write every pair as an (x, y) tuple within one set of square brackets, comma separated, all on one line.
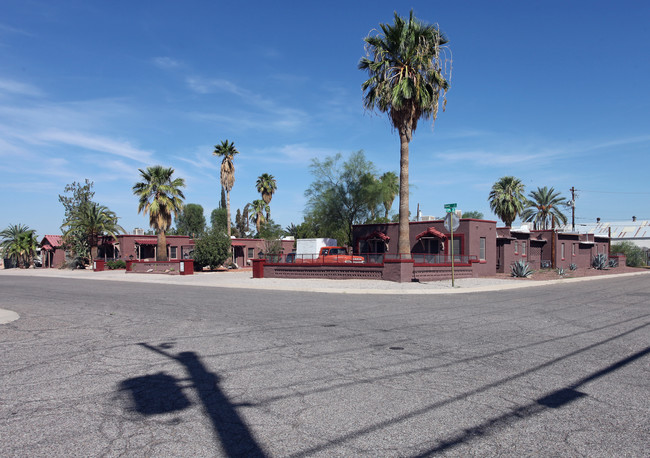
[(562, 251), (523, 248), (173, 252), (251, 253), (573, 249), (516, 247), (481, 255)]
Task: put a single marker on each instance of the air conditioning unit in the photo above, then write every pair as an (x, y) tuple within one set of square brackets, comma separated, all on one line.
[(138, 231)]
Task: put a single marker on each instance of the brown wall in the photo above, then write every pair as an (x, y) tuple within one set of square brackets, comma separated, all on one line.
[(243, 247)]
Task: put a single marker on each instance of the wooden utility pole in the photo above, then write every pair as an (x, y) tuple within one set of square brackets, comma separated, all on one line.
[(573, 208)]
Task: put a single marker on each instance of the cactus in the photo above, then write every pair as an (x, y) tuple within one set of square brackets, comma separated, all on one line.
[(573, 266), (599, 262), (560, 271), (520, 269)]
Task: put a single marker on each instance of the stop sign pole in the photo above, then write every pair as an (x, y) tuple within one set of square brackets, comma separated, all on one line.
[(450, 208)]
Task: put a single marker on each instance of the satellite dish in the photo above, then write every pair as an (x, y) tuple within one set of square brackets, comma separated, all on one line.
[(452, 221)]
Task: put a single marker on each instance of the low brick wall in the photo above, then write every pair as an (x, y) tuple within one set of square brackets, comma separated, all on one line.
[(179, 267), (336, 271)]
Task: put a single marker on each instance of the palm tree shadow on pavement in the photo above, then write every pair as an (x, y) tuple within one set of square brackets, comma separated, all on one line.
[(162, 393)]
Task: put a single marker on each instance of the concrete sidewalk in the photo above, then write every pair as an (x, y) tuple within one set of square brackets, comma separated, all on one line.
[(243, 279)]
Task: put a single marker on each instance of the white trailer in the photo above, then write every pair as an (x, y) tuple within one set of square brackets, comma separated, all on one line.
[(311, 247)]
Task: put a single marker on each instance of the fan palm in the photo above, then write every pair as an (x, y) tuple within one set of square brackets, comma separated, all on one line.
[(266, 186), (408, 72), (507, 199), (227, 151), (93, 221), (159, 196), (19, 244), (259, 207), (543, 208)]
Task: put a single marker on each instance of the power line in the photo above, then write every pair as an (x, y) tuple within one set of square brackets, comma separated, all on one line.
[(613, 192)]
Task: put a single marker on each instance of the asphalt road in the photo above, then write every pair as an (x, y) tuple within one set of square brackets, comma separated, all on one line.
[(97, 368)]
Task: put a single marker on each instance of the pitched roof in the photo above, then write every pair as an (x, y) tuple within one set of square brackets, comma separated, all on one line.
[(51, 241), (431, 232)]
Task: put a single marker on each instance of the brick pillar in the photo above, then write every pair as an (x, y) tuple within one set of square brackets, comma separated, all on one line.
[(399, 270)]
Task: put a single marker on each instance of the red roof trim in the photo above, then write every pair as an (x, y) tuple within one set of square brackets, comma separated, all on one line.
[(147, 241), (377, 235), (431, 232)]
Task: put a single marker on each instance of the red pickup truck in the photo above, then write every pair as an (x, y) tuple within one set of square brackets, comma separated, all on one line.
[(331, 255)]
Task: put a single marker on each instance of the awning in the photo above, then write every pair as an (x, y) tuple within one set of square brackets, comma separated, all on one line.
[(147, 242), (239, 244), (431, 232), (377, 235), (46, 247)]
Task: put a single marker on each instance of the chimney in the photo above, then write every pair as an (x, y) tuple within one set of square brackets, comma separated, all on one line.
[(633, 218)]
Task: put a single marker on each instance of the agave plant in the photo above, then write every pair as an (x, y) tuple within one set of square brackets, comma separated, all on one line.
[(613, 262), (600, 262), (520, 269), (573, 266), (560, 271)]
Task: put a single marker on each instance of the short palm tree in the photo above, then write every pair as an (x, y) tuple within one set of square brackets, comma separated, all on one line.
[(227, 151), (543, 208), (93, 221), (159, 196), (389, 190), (19, 244), (408, 73), (507, 199), (266, 186), (259, 207)]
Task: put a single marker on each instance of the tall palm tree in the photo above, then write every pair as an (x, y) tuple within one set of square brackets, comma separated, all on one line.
[(19, 244), (266, 186), (159, 196), (507, 199), (93, 221), (227, 151), (543, 208), (389, 190), (408, 71), (259, 207)]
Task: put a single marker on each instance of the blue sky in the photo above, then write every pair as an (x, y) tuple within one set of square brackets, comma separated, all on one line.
[(555, 93)]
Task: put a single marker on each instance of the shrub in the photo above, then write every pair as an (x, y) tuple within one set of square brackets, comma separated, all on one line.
[(520, 269), (211, 249), (600, 262), (117, 264), (573, 266), (635, 255)]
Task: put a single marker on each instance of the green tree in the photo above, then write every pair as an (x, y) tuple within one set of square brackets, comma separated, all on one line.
[(75, 196), (543, 208), (92, 221), (160, 196), (259, 207), (190, 221), (222, 201), (270, 230), (635, 256), (19, 244), (219, 219), (389, 190), (266, 186), (338, 197), (211, 249), (408, 73), (472, 214), (507, 199), (227, 151)]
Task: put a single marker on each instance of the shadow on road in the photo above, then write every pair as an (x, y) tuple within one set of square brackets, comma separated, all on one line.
[(162, 393)]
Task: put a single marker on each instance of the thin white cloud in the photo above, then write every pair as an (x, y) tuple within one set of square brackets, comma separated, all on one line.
[(166, 63), (11, 87), (298, 153), (96, 143)]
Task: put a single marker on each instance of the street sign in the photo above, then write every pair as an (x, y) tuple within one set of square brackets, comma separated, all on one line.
[(450, 207), (451, 222)]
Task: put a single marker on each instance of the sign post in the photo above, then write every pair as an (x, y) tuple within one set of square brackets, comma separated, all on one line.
[(450, 222)]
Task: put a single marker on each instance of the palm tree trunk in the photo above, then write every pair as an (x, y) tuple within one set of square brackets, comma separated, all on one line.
[(404, 242), (161, 255), (228, 211)]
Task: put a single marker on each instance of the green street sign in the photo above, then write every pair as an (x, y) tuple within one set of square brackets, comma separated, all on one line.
[(450, 207)]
